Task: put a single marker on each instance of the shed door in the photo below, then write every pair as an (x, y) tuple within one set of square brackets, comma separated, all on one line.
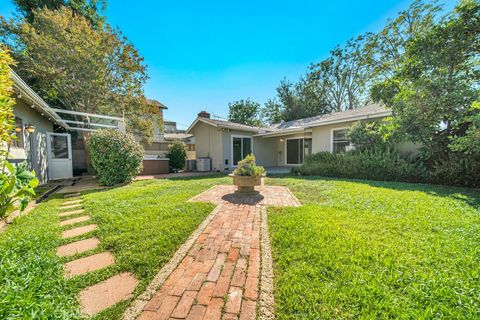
[(59, 149)]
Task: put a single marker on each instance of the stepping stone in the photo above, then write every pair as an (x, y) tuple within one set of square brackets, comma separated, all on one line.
[(88, 264), (74, 220), (74, 248), (70, 213), (72, 195), (66, 203), (78, 231), (72, 206), (107, 293)]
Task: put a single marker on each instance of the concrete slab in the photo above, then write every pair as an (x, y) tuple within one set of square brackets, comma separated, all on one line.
[(107, 293), (78, 231), (74, 220), (88, 264), (77, 247), (70, 213)]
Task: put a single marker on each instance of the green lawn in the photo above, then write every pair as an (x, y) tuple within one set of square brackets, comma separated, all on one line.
[(356, 249), (373, 250), (142, 224)]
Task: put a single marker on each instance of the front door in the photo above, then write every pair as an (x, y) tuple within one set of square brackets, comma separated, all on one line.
[(59, 148)]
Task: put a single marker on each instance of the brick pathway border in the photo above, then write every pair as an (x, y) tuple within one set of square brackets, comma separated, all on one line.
[(226, 201)]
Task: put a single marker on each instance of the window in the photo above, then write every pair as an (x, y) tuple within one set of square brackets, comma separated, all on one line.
[(241, 147), (18, 142), (297, 149), (340, 142)]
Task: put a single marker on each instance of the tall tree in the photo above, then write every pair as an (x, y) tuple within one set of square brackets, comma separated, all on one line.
[(385, 49), (87, 8), (434, 93), (245, 112), (80, 68), (344, 76), (271, 112)]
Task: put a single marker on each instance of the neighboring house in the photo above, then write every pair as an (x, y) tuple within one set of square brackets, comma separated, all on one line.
[(43, 136), (282, 144)]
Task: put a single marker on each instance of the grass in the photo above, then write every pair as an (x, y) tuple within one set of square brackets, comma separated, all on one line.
[(376, 250), (141, 224)]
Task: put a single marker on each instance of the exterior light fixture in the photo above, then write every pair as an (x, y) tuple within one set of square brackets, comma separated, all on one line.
[(30, 128), (281, 139), (32, 106), (18, 129), (19, 96)]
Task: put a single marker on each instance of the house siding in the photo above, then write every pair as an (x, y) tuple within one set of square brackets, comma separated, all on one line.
[(322, 136), (208, 143), (37, 159)]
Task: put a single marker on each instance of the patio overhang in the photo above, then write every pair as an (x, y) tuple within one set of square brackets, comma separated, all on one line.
[(68, 119)]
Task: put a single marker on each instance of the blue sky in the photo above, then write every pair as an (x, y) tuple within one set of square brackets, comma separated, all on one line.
[(201, 55)]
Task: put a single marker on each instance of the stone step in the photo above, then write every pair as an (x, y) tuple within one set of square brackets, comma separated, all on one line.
[(88, 264), (74, 220), (78, 231), (70, 213), (72, 206), (107, 293), (72, 195), (66, 203), (74, 248)]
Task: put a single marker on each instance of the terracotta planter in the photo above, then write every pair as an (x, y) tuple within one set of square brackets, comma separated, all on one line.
[(246, 184)]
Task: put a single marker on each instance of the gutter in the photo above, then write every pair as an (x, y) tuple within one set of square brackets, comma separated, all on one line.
[(22, 86)]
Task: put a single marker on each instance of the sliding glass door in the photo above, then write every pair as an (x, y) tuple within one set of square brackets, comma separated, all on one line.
[(241, 147), (297, 150)]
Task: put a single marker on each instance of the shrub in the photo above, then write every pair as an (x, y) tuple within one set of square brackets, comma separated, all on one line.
[(177, 153), (115, 156), (374, 164), (17, 183), (458, 170), (248, 167), (6, 101)]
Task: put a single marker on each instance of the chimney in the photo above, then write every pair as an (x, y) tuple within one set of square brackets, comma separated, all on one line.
[(204, 114)]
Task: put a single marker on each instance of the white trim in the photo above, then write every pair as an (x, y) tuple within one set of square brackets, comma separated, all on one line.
[(331, 136), (303, 150), (86, 114), (90, 124), (231, 147)]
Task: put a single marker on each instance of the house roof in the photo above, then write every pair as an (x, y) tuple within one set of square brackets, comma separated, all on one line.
[(228, 125), (177, 136), (157, 103), (367, 112)]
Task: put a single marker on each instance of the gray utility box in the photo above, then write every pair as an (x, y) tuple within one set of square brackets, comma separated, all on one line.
[(204, 164)]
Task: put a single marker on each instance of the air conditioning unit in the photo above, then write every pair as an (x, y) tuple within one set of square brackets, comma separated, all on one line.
[(204, 164)]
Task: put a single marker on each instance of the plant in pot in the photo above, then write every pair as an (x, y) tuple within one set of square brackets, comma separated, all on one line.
[(247, 175)]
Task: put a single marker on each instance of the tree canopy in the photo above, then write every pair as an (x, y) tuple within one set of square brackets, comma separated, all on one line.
[(244, 111), (77, 67)]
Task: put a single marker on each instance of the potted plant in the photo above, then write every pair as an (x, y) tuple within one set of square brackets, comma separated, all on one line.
[(247, 175)]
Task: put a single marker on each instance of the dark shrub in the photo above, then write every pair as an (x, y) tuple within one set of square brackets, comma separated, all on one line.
[(177, 153), (458, 170), (115, 156), (374, 164)]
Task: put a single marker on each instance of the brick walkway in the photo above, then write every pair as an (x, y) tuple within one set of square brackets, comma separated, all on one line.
[(219, 277)]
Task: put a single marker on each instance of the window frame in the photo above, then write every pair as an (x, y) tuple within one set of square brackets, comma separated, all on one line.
[(231, 147), (332, 132), (302, 149)]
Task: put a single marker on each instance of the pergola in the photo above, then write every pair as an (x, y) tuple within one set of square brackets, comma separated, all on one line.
[(68, 119)]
